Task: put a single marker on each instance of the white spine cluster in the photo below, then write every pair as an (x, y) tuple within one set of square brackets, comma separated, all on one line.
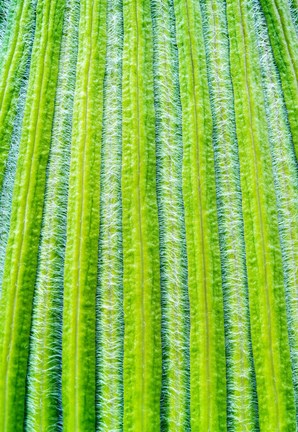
[(240, 372), (110, 287), (7, 10), (169, 152)]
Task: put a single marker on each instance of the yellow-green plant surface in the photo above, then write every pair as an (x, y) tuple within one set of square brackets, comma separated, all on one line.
[(149, 215)]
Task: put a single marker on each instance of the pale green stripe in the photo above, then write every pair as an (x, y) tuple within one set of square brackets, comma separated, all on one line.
[(286, 182), (81, 256), (10, 170), (142, 338), (284, 42), (264, 263), (175, 311), (22, 250), (240, 374), (44, 371), (12, 67), (110, 295), (207, 355)]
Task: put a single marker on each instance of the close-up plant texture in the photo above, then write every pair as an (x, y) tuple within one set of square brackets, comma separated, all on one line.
[(148, 215)]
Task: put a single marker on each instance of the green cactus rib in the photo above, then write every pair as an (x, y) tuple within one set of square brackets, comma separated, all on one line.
[(207, 353), (284, 44), (175, 311), (22, 249), (10, 172), (141, 277), (286, 184), (13, 61), (10, 17), (265, 281), (240, 373), (13, 137), (110, 291), (44, 371), (81, 255)]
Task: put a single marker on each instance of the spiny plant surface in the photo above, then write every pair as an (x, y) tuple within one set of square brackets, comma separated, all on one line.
[(149, 215)]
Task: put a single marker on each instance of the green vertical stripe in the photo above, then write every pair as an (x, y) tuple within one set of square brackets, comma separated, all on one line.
[(13, 60), (10, 169), (263, 252), (81, 256), (141, 279), (12, 140), (284, 41), (286, 182), (240, 374), (44, 372), (22, 249), (207, 352), (175, 310)]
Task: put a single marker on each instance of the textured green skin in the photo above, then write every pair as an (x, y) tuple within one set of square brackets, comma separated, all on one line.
[(148, 375), (286, 185), (13, 61), (7, 22), (263, 252), (284, 43), (110, 291), (43, 397), (81, 256), (207, 352), (240, 376), (22, 249), (141, 280), (175, 392)]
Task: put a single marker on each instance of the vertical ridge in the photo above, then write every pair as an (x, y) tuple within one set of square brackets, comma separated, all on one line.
[(13, 59), (207, 355), (175, 307), (44, 411), (285, 180), (241, 397), (81, 256), (22, 248), (142, 338), (265, 282), (284, 42)]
